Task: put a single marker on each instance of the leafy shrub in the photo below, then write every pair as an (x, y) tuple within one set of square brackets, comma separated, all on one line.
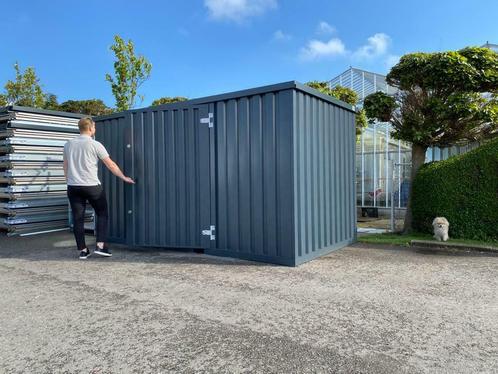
[(464, 189)]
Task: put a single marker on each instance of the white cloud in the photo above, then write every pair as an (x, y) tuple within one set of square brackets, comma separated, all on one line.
[(238, 10), (376, 48), (377, 45), (391, 60), (183, 31), (324, 28), (316, 49), (279, 35)]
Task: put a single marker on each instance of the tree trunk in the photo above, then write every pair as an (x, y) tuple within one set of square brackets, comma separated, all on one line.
[(418, 159)]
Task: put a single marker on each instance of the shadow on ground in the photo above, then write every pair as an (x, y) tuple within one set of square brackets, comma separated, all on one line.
[(62, 247)]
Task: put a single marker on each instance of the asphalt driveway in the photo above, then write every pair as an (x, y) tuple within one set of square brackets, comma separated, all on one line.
[(358, 310)]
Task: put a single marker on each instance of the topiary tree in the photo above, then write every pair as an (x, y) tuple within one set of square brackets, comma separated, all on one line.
[(168, 100), (130, 72), (344, 94), (443, 98)]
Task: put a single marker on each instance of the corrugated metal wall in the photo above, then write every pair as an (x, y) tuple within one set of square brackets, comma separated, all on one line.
[(114, 133), (324, 144), (172, 167), (254, 177), (168, 153), (275, 174)]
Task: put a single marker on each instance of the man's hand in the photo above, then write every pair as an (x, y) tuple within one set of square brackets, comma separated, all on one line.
[(114, 168)]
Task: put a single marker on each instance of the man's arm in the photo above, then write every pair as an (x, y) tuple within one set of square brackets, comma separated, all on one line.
[(114, 169)]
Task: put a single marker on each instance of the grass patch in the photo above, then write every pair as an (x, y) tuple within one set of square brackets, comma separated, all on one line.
[(404, 240)]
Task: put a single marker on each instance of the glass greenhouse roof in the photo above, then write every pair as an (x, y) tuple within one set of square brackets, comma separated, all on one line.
[(362, 82)]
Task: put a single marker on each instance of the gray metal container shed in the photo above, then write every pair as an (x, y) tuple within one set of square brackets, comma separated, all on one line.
[(264, 174)]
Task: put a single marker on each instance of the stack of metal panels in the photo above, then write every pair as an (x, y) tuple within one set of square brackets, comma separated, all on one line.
[(32, 185)]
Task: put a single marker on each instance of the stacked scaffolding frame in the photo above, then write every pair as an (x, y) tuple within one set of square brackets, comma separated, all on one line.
[(32, 184)]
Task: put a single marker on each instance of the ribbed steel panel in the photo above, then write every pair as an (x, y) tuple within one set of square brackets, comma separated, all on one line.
[(42, 172), (34, 188), (115, 134), (168, 154), (254, 177), (29, 125), (21, 196), (33, 142), (274, 176), (324, 143), (33, 211), (32, 180), (30, 157), (35, 135), (34, 203), (25, 229)]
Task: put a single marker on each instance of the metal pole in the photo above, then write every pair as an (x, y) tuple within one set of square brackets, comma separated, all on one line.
[(393, 180), (363, 168), (393, 177), (387, 167), (375, 165)]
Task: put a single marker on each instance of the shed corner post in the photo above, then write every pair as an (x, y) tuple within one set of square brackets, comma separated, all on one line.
[(295, 175)]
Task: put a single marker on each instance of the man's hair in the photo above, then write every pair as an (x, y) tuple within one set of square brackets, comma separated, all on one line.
[(85, 124)]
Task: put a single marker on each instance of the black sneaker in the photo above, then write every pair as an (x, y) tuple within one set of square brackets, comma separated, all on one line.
[(103, 252), (84, 254)]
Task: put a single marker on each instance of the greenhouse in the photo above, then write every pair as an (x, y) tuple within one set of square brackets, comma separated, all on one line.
[(383, 164), (378, 155)]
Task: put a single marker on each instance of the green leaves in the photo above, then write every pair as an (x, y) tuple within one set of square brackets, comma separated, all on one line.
[(379, 106), (168, 100), (92, 107), (26, 90), (444, 97), (130, 71), (344, 94), (464, 189)]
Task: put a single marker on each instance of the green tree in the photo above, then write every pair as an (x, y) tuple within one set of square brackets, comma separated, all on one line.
[(91, 107), (344, 94), (130, 71), (168, 100), (51, 102), (3, 100), (443, 98), (25, 90)]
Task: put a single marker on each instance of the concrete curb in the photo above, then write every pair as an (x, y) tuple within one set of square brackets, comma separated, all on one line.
[(453, 246)]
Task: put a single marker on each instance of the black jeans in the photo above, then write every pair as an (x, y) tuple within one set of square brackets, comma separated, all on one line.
[(78, 196)]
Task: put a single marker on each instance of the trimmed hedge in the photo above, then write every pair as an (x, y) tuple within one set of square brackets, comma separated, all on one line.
[(464, 189)]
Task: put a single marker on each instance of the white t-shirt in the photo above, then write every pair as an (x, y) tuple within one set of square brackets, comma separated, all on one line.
[(82, 155)]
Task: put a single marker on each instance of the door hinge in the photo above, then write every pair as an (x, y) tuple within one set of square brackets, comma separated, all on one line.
[(209, 120), (210, 232)]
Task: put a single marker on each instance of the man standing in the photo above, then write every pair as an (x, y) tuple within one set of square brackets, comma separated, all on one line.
[(81, 157)]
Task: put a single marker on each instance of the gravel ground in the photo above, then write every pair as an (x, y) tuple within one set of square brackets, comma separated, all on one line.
[(358, 310)]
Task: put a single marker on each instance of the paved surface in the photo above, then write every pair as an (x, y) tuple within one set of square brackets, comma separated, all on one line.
[(358, 310)]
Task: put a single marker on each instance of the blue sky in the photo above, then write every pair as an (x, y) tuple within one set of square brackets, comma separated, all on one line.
[(204, 47)]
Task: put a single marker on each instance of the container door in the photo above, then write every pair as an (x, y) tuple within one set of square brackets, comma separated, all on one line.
[(172, 163), (115, 135)]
